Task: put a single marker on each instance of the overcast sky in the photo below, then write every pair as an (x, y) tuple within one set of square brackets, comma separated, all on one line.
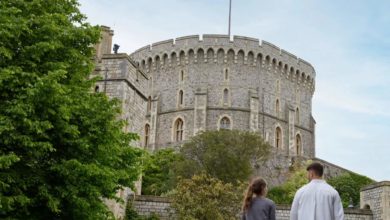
[(347, 42)]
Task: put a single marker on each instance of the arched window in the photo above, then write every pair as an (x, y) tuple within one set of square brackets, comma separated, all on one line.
[(278, 137), (149, 106), (225, 96), (226, 74), (147, 133), (297, 116), (179, 129), (180, 98), (298, 145), (224, 123), (277, 108)]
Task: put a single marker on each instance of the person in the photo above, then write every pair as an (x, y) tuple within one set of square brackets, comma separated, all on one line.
[(255, 205), (316, 200)]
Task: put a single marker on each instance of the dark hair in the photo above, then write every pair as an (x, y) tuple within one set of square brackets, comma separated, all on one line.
[(317, 168), (257, 187)]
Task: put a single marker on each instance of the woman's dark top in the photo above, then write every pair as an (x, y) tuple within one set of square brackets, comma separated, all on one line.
[(260, 209)]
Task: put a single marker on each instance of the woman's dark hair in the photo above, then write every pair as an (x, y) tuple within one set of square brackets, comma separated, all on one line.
[(257, 186)]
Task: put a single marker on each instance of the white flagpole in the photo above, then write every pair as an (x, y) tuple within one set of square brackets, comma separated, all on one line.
[(230, 16)]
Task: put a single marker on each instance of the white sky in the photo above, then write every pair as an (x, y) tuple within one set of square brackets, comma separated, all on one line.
[(348, 43)]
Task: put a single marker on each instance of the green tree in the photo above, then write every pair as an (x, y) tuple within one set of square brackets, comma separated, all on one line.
[(206, 198), (229, 155), (348, 186), (159, 174), (62, 148)]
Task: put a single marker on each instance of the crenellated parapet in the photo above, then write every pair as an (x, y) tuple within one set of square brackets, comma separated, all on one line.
[(251, 52)]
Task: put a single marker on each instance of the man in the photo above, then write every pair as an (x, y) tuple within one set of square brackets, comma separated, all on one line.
[(316, 200)]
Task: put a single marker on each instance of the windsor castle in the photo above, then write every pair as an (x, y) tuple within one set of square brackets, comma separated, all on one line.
[(173, 89)]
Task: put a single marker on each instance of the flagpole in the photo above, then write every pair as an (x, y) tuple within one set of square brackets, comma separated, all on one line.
[(230, 16)]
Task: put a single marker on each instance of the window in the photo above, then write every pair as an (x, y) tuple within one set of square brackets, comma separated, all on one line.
[(181, 76), (225, 96), (149, 106), (226, 74), (224, 123), (278, 137), (147, 132), (277, 108), (178, 129), (180, 98), (298, 145), (96, 88), (297, 116)]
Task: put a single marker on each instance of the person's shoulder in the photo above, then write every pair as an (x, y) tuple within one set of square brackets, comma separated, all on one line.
[(303, 188), (270, 202), (331, 189)]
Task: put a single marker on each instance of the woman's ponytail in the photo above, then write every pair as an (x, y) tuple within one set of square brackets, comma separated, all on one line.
[(257, 187), (247, 198)]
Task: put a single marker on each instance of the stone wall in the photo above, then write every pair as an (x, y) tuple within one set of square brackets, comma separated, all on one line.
[(146, 205), (256, 75), (377, 198)]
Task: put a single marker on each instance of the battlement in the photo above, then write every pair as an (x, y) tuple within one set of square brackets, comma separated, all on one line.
[(212, 47)]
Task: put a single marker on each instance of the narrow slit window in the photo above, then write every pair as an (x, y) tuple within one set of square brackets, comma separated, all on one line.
[(225, 96)]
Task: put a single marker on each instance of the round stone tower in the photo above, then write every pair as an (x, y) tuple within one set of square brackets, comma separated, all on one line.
[(212, 82)]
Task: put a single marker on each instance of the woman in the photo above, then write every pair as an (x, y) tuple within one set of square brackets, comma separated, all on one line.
[(256, 206)]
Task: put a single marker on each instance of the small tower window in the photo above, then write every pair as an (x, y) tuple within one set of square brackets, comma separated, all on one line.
[(298, 145), (179, 129), (297, 116), (225, 96), (278, 137), (277, 108), (181, 76), (225, 123), (181, 98), (149, 106), (226, 75), (147, 131)]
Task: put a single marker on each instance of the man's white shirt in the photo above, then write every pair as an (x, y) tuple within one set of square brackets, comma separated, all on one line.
[(317, 200)]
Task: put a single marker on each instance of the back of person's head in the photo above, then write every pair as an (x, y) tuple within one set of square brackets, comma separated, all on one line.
[(316, 168), (256, 187)]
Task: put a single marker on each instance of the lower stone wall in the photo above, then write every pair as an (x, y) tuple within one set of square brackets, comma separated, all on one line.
[(377, 197), (330, 169), (147, 205)]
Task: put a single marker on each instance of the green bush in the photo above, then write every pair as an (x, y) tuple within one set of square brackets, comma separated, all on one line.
[(159, 174), (205, 197), (348, 185)]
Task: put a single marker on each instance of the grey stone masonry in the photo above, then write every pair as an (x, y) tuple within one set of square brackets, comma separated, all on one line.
[(120, 79), (205, 81), (377, 198), (146, 205)]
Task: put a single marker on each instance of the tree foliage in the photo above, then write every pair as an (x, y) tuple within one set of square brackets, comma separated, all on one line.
[(62, 148), (159, 174), (229, 155), (204, 197), (348, 186)]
